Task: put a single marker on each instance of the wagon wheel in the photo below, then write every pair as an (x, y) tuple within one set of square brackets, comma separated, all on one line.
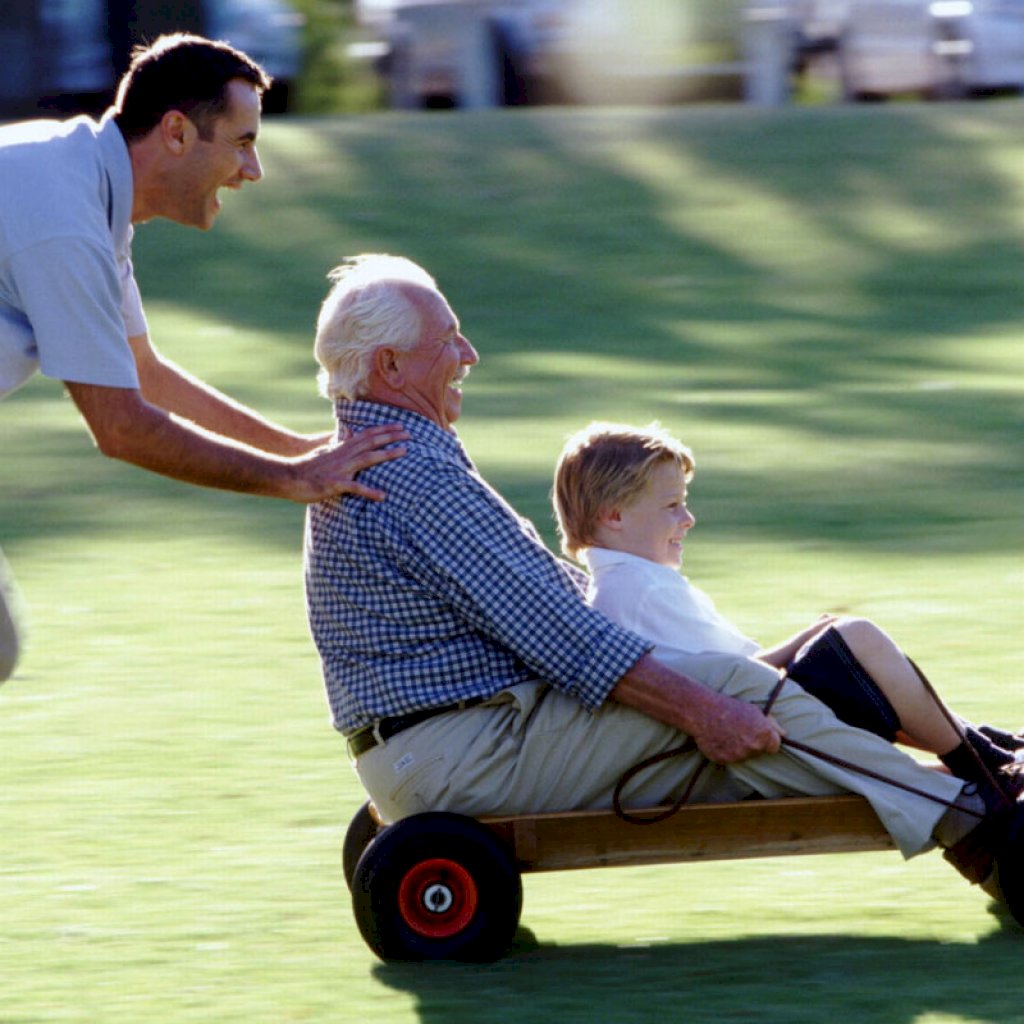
[(362, 830), (437, 886)]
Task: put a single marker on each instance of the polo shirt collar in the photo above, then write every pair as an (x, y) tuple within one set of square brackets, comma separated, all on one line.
[(118, 165)]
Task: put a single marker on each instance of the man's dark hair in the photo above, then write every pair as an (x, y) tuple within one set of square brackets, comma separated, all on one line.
[(181, 72)]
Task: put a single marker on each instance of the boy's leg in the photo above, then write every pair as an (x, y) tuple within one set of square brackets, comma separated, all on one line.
[(908, 817), (856, 670), (917, 708)]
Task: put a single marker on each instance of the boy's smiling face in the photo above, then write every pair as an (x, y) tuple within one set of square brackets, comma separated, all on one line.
[(654, 525)]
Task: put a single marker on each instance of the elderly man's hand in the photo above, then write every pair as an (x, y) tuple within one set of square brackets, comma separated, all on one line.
[(724, 728), (735, 731), (330, 471)]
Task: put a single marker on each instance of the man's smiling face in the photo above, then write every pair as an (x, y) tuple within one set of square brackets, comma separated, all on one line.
[(436, 365), (225, 158)]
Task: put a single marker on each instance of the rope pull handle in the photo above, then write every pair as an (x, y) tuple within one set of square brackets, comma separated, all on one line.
[(684, 748), (690, 745)]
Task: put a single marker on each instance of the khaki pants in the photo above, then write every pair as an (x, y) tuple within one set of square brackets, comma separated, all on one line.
[(532, 749), (10, 636)]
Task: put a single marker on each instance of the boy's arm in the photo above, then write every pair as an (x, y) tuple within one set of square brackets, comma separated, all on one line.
[(782, 654)]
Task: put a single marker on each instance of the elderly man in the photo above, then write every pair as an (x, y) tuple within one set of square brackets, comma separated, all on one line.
[(468, 674), (184, 126)]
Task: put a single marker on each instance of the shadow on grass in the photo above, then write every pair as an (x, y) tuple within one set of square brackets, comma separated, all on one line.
[(800, 271), (568, 230), (772, 980)]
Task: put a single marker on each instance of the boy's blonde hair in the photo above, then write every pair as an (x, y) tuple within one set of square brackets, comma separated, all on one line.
[(606, 466)]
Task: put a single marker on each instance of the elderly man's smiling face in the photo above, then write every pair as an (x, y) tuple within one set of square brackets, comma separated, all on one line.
[(434, 368)]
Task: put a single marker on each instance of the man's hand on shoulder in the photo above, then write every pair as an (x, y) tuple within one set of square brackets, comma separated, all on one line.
[(330, 471)]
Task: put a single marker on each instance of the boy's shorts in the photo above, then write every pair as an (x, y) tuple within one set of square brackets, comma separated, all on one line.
[(828, 669)]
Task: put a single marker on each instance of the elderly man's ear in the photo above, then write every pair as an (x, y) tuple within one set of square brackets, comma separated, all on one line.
[(387, 368)]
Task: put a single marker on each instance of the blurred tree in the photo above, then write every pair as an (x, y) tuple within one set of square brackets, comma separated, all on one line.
[(332, 81)]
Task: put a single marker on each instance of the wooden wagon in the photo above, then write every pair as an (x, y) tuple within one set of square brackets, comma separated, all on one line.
[(445, 886)]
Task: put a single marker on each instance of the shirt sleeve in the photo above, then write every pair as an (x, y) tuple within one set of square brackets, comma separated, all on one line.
[(132, 313), (679, 616), (471, 546), (683, 622), (72, 294)]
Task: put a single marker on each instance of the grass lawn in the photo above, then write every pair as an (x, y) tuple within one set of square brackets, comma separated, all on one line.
[(824, 303)]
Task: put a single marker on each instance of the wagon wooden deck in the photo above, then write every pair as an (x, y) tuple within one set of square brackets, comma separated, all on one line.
[(444, 886), (727, 831)]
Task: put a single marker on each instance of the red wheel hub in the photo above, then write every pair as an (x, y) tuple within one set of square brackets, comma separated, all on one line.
[(437, 898)]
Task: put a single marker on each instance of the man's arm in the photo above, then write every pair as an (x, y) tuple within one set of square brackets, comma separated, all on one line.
[(169, 387), (725, 729), (125, 426)]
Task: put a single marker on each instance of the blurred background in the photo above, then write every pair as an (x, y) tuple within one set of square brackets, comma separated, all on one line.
[(357, 55)]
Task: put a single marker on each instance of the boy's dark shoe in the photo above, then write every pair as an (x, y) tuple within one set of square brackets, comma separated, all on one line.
[(1002, 738)]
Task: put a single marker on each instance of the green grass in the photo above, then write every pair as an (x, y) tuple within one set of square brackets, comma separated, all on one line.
[(824, 303)]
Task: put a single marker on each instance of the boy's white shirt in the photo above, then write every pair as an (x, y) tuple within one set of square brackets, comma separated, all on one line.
[(660, 604)]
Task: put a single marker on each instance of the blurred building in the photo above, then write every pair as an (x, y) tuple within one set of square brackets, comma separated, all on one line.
[(65, 56), (939, 49), (474, 53)]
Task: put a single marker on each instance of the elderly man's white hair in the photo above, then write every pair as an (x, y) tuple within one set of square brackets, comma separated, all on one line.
[(369, 307)]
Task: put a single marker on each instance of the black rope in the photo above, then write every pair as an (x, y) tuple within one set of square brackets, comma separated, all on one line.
[(642, 766), (684, 748), (877, 776)]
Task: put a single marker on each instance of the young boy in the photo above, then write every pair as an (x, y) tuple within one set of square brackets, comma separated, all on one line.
[(620, 499)]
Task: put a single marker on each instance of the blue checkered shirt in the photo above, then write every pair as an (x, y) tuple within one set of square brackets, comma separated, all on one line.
[(442, 592)]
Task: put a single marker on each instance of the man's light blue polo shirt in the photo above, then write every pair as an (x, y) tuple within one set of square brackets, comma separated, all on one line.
[(68, 298)]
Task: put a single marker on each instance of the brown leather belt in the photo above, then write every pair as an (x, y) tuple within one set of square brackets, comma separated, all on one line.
[(375, 735)]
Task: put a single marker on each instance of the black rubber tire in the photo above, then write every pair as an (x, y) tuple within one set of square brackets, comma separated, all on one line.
[(362, 830), (437, 886)]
